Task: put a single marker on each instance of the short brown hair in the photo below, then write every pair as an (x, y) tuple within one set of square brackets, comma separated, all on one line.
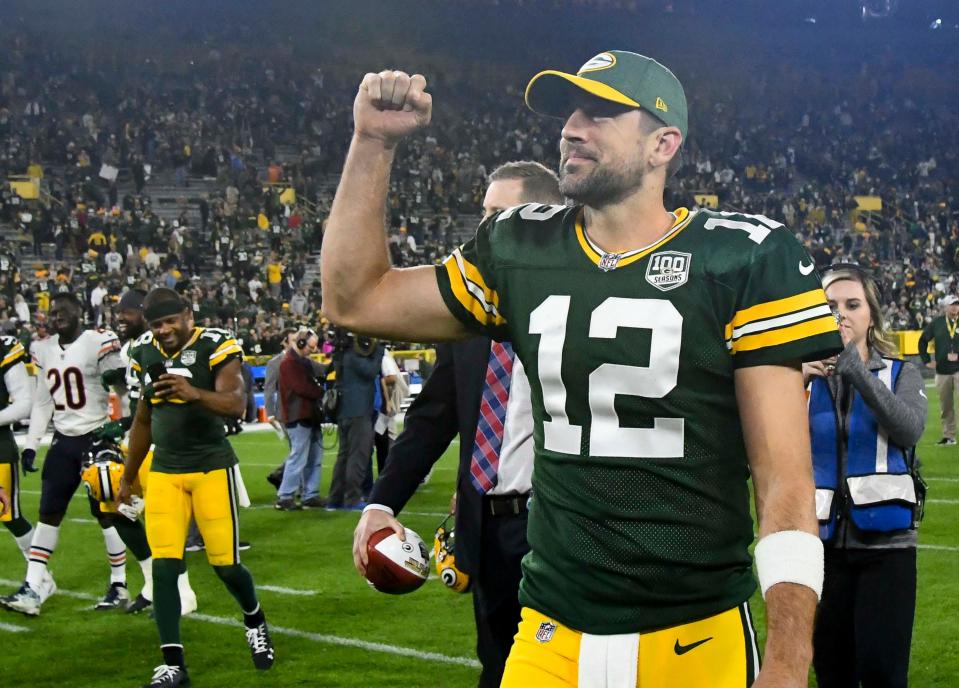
[(540, 184)]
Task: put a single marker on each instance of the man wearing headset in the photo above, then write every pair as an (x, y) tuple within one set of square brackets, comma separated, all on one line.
[(298, 392)]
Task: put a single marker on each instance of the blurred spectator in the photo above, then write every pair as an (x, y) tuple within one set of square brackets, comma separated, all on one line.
[(298, 393)]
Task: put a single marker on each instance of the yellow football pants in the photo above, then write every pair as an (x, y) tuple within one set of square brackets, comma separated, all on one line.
[(10, 482), (174, 497), (719, 652)]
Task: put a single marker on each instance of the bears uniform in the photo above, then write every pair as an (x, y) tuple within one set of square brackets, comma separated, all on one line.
[(192, 456), (70, 391), (640, 518), (12, 354)]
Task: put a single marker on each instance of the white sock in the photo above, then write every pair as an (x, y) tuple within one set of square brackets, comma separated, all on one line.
[(116, 555), (23, 542), (183, 582), (42, 545), (147, 567)]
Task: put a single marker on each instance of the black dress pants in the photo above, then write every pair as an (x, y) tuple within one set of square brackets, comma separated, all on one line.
[(496, 592), (864, 623)]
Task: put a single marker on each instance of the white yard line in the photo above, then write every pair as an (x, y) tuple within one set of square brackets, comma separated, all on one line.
[(941, 480), (287, 591), (940, 548), (13, 628), (942, 501), (321, 638)]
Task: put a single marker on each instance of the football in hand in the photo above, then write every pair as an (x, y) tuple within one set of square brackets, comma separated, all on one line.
[(397, 566)]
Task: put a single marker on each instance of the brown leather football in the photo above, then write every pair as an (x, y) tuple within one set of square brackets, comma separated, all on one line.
[(396, 566)]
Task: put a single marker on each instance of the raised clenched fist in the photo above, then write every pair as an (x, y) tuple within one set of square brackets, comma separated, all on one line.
[(391, 105)]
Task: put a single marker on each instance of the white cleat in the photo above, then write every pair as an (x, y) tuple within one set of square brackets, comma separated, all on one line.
[(25, 600)]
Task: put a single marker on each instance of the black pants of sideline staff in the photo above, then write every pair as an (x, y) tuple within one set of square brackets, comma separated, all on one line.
[(495, 592), (864, 624)]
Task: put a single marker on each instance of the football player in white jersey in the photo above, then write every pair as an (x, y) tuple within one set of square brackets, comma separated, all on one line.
[(130, 325), (70, 365)]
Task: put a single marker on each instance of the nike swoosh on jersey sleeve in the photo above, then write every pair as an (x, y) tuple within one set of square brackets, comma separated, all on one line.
[(780, 321)]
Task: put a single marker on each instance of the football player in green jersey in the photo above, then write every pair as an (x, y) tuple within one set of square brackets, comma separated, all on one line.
[(663, 350), (189, 380), (16, 398)]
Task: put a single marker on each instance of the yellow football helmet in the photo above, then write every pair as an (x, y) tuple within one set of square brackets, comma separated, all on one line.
[(444, 542), (102, 470)]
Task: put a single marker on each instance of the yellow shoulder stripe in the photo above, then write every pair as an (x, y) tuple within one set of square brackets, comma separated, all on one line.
[(229, 342), (771, 309), (218, 357), (16, 353), (761, 340), (471, 291), (135, 366)]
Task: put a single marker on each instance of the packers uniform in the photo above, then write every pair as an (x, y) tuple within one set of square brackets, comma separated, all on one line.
[(192, 459), (640, 515), (12, 354)]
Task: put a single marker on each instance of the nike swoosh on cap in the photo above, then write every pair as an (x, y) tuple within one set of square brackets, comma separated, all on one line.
[(806, 269)]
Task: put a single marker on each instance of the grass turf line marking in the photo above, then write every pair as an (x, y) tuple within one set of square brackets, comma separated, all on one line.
[(286, 591), (306, 635), (348, 642), (939, 548), (941, 480), (13, 628), (942, 501)]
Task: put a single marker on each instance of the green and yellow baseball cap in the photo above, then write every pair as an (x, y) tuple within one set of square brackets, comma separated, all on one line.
[(618, 76)]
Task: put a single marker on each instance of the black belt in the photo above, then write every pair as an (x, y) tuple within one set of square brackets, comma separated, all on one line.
[(506, 505)]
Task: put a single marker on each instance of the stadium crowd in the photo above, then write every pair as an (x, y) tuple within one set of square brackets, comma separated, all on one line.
[(248, 129)]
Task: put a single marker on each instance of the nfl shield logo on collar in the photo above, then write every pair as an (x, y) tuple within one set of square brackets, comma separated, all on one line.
[(546, 631), (188, 357), (609, 262), (668, 269)]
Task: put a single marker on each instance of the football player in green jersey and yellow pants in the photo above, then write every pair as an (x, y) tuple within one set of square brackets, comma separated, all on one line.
[(189, 380), (663, 351)]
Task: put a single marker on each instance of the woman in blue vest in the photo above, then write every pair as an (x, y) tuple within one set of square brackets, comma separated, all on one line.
[(867, 410)]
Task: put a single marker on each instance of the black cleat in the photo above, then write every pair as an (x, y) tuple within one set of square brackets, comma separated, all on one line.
[(165, 676), (260, 646), (116, 597), (139, 604)]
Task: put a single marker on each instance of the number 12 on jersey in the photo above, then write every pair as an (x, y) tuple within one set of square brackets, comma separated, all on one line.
[(606, 436)]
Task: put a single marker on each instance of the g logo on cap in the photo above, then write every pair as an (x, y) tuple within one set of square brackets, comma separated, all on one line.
[(601, 61)]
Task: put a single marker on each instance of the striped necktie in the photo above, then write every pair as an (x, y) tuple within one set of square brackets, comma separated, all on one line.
[(489, 430)]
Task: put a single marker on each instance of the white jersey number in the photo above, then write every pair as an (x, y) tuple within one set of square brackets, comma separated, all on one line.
[(606, 436)]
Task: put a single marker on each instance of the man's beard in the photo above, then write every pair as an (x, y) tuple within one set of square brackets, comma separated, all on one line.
[(602, 186)]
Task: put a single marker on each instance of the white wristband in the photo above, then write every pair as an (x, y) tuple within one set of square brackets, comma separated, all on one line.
[(378, 507), (790, 556)]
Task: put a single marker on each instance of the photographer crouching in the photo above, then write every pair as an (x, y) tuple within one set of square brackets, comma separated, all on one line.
[(299, 391)]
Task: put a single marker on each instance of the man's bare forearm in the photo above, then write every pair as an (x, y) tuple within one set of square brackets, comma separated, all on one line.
[(231, 403), (790, 612), (354, 257), (141, 437)]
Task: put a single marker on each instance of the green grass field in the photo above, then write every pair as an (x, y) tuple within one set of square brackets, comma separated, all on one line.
[(330, 628)]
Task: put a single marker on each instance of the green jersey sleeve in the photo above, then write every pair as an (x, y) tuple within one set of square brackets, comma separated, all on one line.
[(224, 347), (779, 311), (11, 353), (467, 280)]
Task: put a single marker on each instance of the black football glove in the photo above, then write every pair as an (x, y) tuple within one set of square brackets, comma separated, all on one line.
[(27, 457)]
